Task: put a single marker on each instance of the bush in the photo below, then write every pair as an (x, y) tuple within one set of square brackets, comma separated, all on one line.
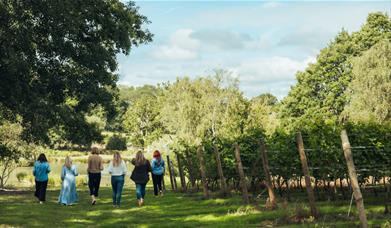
[(21, 176), (116, 142)]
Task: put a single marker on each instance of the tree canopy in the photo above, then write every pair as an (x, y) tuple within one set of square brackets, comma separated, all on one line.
[(58, 60)]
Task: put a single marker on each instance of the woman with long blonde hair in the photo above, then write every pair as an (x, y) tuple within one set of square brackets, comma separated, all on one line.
[(140, 175), (68, 194), (117, 169)]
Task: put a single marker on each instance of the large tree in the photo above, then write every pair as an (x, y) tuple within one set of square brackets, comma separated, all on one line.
[(370, 89), (320, 90), (58, 60)]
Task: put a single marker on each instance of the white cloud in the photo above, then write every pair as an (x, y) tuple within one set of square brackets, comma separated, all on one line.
[(261, 70), (269, 5), (180, 47)]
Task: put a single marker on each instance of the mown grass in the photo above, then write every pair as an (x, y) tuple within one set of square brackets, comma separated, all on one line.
[(174, 209)]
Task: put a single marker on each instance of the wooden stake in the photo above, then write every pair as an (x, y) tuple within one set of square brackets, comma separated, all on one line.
[(223, 184), (170, 171), (173, 176), (242, 177), (181, 174), (353, 178), (200, 156), (272, 203), (306, 173)]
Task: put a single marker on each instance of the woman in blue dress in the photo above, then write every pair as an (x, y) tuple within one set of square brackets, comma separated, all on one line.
[(68, 194)]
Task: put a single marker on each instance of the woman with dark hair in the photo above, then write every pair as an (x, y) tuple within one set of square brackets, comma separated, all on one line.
[(158, 169), (40, 172), (95, 166), (140, 176)]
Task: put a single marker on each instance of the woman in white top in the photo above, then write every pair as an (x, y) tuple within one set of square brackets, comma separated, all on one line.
[(117, 169)]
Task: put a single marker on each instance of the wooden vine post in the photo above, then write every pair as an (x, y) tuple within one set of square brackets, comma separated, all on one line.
[(170, 172), (223, 184), (242, 177), (306, 173), (173, 176), (181, 174), (272, 202), (353, 178), (191, 169), (201, 159)]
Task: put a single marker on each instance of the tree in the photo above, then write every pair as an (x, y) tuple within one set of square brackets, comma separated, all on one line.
[(142, 120), (370, 89), (12, 149), (59, 58), (320, 89)]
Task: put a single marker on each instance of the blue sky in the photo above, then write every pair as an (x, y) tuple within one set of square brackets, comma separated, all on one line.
[(263, 43)]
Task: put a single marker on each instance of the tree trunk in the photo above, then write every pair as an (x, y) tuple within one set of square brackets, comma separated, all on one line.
[(223, 184), (173, 176), (353, 178), (272, 203), (170, 172), (304, 166), (191, 170), (200, 156), (181, 174), (242, 177)]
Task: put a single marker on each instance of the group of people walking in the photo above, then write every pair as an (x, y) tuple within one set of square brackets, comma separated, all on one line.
[(116, 168)]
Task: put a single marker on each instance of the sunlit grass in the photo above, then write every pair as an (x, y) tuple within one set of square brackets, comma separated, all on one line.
[(174, 209)]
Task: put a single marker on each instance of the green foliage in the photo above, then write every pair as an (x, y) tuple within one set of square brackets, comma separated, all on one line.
[(116, 142), (320, 90), (142, 118), (12, 149), (370, 89), (59, 58), (21, 176)]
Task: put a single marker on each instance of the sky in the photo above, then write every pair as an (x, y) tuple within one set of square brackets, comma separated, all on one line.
[(262, 43)]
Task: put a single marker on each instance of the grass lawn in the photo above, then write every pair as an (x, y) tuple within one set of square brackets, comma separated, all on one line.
[(174, 209)]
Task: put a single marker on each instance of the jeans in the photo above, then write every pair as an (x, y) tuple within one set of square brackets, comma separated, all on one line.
[(157, 183), (40, 190), (140, 191), (93, 183), (117, 183)]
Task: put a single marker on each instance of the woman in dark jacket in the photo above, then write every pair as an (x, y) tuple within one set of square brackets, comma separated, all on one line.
[(140, 176)]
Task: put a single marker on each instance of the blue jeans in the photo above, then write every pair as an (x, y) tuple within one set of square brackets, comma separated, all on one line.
[(117, 183), (140, 191)]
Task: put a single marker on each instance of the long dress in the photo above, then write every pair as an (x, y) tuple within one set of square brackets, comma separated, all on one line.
[(68, 194)]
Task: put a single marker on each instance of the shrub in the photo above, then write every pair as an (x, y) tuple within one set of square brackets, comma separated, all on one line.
[(116, 142), (21, 176)]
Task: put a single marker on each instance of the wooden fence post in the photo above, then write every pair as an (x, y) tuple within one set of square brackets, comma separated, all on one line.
[(201, 159), (304, 166), (170, 171), (173, 175), (272, 203), (181, 175), (191, 170), (223, 184), (242, 177), (353, 178)]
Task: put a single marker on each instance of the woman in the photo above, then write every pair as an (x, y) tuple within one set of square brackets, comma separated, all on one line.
[(95, 166), (140, 176), (117, 169), (40, 172), (158, 169), (68, 194)]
